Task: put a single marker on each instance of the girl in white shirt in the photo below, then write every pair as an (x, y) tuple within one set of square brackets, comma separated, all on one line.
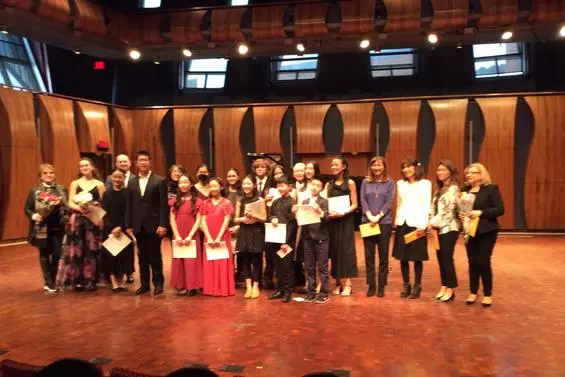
[(412, 211)]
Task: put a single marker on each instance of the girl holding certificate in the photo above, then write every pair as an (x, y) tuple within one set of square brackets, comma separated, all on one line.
[(250, 214), (487, 207), (186, 273), (377, 193), (443, 219), (342, 227), (413, 197)]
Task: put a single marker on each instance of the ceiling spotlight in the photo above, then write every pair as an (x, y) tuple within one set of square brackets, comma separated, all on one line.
[(432, 38), (186, 52), (364, 43), (459, 45), (76, 52), (242, 49), (156, 62), (300, 47), (562, 31), (4, 31), (506, 35), (134, 54)]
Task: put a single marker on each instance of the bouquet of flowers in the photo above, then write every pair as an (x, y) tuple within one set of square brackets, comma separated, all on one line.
[(45, 203), (465, 205), (83, 199)]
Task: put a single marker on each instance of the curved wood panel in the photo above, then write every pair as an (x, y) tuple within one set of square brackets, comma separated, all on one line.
[(357, 16), (226, 24), (268, 22), (357, 126), (497, 150), (545, 172), (310, 19), (188, 151), (143, 28), (498, 12), (185, 26), (449, 14), (547, 11), (402, 15), (93, 126), (58, 137), (149, 28), (147, 136), (21, 4), (267, 121), (123, 132), (89, 17), (227, 149), (449, 143), (403, 131), (309, 128), (55, 10), (19, 158)]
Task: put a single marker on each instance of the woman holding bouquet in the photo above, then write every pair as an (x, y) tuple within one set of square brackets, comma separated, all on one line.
[(46, 207), (487, 206), (78, 263)]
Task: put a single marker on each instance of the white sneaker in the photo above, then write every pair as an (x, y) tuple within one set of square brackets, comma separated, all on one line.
[(47, 288)]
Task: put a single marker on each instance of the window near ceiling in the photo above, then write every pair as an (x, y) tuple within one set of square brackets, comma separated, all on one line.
[(393, 62), (294, 67), (499, 60), (205, 73), (150, 3), (17, 64), (235, 3)]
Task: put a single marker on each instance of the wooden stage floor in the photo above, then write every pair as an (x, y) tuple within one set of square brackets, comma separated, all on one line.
[(522, 334)]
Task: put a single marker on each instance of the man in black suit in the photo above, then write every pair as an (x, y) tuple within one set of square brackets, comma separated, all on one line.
[(147, 217)]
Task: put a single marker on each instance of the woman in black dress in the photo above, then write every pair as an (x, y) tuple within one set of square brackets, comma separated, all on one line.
[(232, 192), (342, 228)]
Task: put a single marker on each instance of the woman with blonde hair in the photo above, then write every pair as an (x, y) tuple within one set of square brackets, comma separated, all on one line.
[(487, 207)]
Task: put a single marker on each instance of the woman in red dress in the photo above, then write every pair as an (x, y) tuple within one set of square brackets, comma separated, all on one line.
[(216, 215), (186, 273)]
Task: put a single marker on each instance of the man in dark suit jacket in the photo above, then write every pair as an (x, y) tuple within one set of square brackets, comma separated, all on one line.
[(147, 216)]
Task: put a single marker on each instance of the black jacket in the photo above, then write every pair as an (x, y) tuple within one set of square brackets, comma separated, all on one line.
[(150, 210), (56, 220), (319, 231), (489, 201), (281, 208)]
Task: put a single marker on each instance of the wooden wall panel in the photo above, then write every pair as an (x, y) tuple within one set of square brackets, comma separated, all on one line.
[(268, 22), (498, 12), (545, 173), (357, 163), (226, 24), (19, 159), (310, 19), (450, 117), (90, 17), (147, 136), (547, 11), (449, 14), (402, 15), (55, 10), (188, 151), (21, 4), (357, 16), (93, 126), (227, 148), (357, 126), (267, 121), (123, 132), (497, 150), (309, 128), (58, 137), (403, 130), (185, 26)]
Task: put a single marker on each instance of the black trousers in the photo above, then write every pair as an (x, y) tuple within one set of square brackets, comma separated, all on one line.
[(479, 252), (381, 242), (316, 253), (128, 259), (252, 265), (418, 271), (284, 267), (270, 255), (447, 243), (149, 253), (49, 256)]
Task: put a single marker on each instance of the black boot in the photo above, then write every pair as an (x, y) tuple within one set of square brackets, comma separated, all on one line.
[(381, 291), (406, 290), (371, 291), (416, 291)]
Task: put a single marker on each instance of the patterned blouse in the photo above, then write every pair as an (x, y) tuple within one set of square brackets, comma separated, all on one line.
[(443, 215)]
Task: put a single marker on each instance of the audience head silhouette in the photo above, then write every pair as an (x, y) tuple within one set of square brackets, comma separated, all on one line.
[(192, 372), (70, 368)]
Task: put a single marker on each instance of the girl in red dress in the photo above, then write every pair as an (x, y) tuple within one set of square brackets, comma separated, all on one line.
[(216, 215), (186, 273)]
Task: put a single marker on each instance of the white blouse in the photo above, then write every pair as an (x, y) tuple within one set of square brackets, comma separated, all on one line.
[(413, 203)]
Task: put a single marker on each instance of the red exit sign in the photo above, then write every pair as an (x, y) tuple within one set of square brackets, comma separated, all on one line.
[(99, 65)]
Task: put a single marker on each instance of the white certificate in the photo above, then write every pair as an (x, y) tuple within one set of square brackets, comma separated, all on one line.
[(339, 204), (307, 215), (275, 234), (281, 253), (115, 245), (303, 195), (95, 214), (217, 251), (255, 208), (184, 251)]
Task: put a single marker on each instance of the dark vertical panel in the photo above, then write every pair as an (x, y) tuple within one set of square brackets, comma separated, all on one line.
[(382, 128), (168, 138), (426, 134), (523, 138), (205, 127), (474, 129), (285, 130), (247, 138), (333, 131)]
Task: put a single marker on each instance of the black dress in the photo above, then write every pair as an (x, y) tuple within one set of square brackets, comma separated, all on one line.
[(342, 238), (114, 203), (250, 237)]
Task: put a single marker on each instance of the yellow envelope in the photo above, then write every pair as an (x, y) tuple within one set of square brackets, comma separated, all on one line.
[(473, 225), (435, 239), (367, 230), (412, 236)]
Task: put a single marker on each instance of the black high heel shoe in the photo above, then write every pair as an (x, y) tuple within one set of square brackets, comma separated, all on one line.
[(406, 290), (416, 291)]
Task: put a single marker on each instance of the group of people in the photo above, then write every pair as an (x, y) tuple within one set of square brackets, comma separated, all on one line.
[(208, 213)]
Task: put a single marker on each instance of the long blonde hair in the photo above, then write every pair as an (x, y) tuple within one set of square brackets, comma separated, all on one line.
[(485, 176)]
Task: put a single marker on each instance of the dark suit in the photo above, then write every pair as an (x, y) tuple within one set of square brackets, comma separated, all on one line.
[(316, 250), (479, 248), (144, 213)]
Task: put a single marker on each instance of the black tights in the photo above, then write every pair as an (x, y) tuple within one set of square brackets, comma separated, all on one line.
[(418, 270)]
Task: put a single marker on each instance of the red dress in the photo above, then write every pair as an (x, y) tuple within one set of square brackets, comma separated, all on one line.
[(187, 273), (218, 274)]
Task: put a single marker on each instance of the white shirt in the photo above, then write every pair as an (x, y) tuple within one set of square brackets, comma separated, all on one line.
[(143, 182), (413, 203), (126, 178), (261, 184)]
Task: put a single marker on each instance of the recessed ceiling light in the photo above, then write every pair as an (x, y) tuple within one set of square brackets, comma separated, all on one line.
[(562, 31), (506, 35), (134, 54), (300, 47), (364, 43), (242, 49), (432, 38), (186, 52)]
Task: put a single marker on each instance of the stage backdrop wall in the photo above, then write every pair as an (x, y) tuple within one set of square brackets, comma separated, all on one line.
[(518, 138)]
